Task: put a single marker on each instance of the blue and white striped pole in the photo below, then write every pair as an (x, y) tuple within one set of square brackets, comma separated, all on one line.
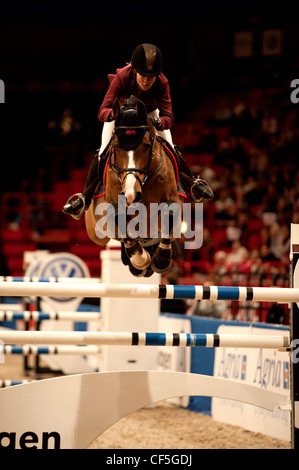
[(34, 350), (147, 291), (49, 279), (143, 339), (37, 316)]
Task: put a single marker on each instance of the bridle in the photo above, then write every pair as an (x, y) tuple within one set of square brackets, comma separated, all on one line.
[(136, 172)]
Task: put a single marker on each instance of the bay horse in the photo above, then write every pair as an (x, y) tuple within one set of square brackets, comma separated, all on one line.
[(140, 172)]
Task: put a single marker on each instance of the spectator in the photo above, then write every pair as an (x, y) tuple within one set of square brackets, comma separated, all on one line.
[(280, 241), (266, 254), (236, 256), (220, 263), (255, 261), (223, 204), (276, 314)]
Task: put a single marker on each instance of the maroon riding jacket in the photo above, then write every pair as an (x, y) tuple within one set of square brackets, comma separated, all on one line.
[(123, 85)]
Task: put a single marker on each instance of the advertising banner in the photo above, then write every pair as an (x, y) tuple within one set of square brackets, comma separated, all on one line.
[(268, 369)]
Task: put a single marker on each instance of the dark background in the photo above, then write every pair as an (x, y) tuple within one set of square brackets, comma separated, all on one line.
[(58, 55)]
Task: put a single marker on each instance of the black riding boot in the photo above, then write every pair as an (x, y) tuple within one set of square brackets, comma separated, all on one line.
[(78, 203), (199, 188)]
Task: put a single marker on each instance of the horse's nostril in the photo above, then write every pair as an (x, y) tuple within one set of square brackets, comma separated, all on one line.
[(129, 199), (138, 196)]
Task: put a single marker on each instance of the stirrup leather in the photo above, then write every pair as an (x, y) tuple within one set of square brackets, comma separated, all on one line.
[(82, 198)]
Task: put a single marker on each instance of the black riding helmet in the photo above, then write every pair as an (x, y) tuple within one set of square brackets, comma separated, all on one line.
[(147, 60)]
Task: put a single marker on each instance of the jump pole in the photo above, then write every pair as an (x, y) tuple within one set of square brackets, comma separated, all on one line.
[(49, 279), (36, 315), (144, 339), (294, 337), (148, 291), (28, 349)]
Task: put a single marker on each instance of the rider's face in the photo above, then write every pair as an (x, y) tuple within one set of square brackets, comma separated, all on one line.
[(145, 83)]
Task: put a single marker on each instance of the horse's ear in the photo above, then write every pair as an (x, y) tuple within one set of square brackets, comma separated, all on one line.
[(151, 126), (115, 140), (141, 111), (116, 108)]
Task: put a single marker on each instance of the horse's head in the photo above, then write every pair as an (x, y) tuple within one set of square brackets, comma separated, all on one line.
[(132, 144)]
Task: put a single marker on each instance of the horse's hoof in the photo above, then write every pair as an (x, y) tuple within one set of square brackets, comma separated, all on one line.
[(149, 271), (142, 261), (137, 272), (160, 269)]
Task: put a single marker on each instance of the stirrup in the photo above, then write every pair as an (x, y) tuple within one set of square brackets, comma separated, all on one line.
[(196, 181), (195, 198), (69, 201)]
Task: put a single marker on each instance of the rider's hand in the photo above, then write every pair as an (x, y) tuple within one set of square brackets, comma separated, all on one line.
[(111, 116), (157, 122)]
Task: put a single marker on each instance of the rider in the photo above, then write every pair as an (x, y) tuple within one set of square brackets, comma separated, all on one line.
[(143, 78)]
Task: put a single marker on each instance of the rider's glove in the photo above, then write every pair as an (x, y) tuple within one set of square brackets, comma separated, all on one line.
[(157, 123), (111, 116)]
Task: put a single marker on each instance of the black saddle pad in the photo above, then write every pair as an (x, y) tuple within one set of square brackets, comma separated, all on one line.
[(172, 155)]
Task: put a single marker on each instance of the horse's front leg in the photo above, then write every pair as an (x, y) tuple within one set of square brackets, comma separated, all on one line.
[(162, 259), (139, 257), (171, 219)]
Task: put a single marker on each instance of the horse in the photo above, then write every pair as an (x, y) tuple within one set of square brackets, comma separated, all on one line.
[(139, 175)]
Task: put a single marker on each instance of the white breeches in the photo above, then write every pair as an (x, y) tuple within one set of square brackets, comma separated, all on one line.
[(108, 129)]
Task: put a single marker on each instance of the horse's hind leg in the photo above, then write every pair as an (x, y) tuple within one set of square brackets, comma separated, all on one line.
[(91, 227)]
